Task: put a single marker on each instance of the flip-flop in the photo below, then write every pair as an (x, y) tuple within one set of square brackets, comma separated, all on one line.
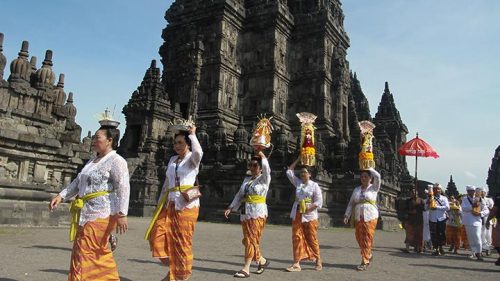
[(241, 274), (362, 267), (293, 269), (262, 267)]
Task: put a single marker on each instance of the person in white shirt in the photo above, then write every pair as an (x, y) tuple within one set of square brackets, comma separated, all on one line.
[(101, 192), (472, 210), (171, 230), (363, 205), (427, 233), (304, 215), (486, 231), (437, 218), (250, 200)]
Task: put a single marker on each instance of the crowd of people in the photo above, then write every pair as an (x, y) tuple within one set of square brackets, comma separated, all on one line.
[(469, 222), (100, 195)]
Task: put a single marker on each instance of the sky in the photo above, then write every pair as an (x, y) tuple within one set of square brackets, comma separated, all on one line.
[(441, 59)]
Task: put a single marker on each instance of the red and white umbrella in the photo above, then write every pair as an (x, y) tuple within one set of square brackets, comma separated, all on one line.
[(419, 148)]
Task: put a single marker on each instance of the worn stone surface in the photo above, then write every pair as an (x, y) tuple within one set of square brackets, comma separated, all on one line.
[(40, 146), (43, 254), (493, 180), (227, 61)]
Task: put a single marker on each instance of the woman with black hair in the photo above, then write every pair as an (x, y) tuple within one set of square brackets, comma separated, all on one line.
[(363, 205), (101, 191), (171, 231), (304, 215), (251, 202)]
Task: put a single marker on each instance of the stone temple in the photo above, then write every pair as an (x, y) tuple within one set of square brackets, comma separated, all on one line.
[(493, 180), (227, 61), (40, 147)]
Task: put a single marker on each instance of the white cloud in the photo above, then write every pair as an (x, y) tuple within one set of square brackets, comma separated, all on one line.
[(470, 175)]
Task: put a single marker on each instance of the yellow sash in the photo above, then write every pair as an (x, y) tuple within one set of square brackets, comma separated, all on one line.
[(372, 202), (75, 209), (254, 199), (302, 204), (160, 205)]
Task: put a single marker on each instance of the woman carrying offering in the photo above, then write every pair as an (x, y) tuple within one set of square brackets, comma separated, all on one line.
[(101, 191), (363, 204), (171, 230), (304, 215), (250, 200)]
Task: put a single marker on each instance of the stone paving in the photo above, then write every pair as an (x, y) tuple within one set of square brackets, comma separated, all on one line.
[(43, 254)]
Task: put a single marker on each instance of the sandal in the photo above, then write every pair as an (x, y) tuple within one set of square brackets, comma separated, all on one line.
[(113, 242), (262, 267), (241, 274), (293, 269), (165, 261), (319, 265), (362, 267)]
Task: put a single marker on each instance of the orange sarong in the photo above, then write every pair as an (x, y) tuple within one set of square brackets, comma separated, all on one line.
[(91, 258), (365, 230), (495, 237), (252, 232), (414, 235), (304, 239), (463, 237), (172, 237), (453, 236)]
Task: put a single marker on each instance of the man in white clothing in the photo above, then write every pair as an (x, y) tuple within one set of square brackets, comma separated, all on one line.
[(486, 231), (472, 210), (437, 219)]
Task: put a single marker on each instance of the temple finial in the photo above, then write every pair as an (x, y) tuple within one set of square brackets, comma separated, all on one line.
[(60, 83)]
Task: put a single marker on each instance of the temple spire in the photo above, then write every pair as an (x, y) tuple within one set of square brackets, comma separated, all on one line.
[(20, 68), (45, 77)]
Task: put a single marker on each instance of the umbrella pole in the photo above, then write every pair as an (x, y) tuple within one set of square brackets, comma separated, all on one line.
[(416, 165)]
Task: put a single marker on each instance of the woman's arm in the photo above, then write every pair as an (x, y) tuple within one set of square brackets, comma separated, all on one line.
[(266, 169), (290, 175), (67, 193), (197, 152), (236, 203), (166, 183), (376, 179), (121, 184), (72, 189), (349, 209)]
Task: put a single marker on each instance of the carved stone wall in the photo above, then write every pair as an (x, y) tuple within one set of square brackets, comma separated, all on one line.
[(493, 180), (40, 147)]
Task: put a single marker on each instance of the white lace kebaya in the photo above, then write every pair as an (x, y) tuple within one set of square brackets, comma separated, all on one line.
[(364, 204), (259, 186), (187, 170), (109, 174), (310, 190)]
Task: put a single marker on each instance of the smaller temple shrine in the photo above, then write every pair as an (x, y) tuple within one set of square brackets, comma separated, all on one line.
[(40, 146)]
